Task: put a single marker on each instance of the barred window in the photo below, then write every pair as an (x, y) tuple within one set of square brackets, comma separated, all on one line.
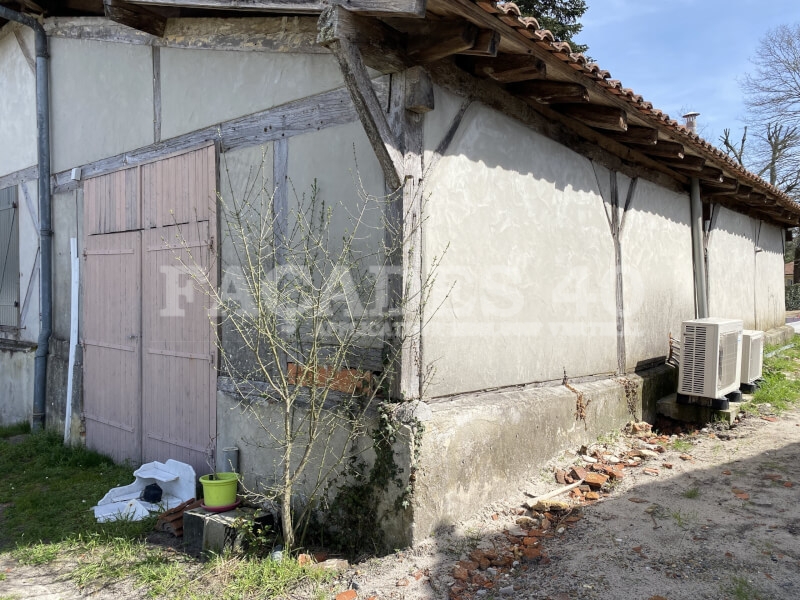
[(9, 258)]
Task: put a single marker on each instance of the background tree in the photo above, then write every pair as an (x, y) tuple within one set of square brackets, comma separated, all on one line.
[(561, 17), (772, 97)]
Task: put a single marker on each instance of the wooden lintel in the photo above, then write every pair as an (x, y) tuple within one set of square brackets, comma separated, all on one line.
[(443, 41), (486, 44), (371, 113), (692, 164), (395, 8), (551, 92), (636, 134), (596, 115), (665, 149), (418, 91), (508, 68), (135, 17)]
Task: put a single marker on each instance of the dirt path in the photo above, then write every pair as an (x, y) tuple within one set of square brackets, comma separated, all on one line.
[(723, 522)]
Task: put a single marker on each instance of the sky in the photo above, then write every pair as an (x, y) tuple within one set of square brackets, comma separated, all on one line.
[(684, 54)]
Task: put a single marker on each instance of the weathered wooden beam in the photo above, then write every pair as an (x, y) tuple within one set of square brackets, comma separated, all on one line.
[(397, 8), (596, 115), (382, 48), (418, 91), (635, 134), (711, 174), (743, 192), (486, 44), (135, 17), (665, 149), (384, 142), (551, 92), (690, 163), (17, 177), (507, 68), (727, 186), (442, 41)]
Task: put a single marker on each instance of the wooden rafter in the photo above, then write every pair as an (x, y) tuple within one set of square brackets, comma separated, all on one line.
[(690, 163), (507, 68), (665, 149), (727, 186), (444, 40), (551, 92), (635, 134), (486, 44), (596, 115), (136, 17)]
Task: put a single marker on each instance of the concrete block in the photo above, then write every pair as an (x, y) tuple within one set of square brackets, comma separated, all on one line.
[(694, 413), (206, 531)]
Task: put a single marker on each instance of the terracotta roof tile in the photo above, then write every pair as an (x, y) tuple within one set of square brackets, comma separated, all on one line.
[(528, 27)]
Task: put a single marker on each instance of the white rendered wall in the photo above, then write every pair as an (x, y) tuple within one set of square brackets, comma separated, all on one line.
[(657, 271), (732, 267), (204, 87), (102, 100), (770, 292), (526, 284), (17, 104)]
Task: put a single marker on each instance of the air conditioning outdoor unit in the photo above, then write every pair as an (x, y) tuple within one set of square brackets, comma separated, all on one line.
[(711, 351), (752, 355)]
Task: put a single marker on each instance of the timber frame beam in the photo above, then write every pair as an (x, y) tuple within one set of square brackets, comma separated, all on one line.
[(394, 8), (334, 22)]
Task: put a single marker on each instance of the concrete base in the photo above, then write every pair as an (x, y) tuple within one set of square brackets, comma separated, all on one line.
[(480, 448), (695, 413), (779, 336), (206, 531)]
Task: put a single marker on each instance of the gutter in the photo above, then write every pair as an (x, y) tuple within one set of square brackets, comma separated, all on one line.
[(698, 251), (45, 230)]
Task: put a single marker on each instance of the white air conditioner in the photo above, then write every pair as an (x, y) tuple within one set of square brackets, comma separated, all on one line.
[(711, 351), (752, 355)]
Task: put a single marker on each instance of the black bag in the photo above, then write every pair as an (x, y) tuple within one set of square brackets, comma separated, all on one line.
[(152, 493)]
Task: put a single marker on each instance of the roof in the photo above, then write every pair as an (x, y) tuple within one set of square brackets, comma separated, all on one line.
[(513, 52)]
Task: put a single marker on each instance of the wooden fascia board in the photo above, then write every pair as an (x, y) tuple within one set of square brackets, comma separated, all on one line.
[(393, 8), (333, 23)]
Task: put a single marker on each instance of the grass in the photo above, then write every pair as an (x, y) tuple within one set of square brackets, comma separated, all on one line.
[(780, 387), (683, 519), (741, 589), (49, 490), (681, 445), (692, 493)]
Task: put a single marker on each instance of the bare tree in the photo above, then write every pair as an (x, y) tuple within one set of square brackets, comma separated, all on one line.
[(311, 325)]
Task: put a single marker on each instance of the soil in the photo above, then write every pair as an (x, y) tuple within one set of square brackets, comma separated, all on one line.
[(649, 537)]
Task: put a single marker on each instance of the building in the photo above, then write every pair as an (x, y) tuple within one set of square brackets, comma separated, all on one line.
[(573, 225)]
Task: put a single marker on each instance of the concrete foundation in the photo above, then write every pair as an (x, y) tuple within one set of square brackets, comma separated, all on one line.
[(479, 448), (779, 336)]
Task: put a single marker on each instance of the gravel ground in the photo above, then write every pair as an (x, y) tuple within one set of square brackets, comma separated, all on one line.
[(721, 523)]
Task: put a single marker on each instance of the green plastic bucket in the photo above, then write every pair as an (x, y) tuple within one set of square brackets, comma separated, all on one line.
[(220, 491)]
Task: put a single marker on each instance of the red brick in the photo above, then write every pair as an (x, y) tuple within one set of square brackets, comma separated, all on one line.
[(592, 496), (460, 573), (595, 480), (578, 473), (531, 553), (348, 595)]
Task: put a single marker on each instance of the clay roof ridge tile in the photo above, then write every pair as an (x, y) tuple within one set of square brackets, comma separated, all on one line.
[(509, 7)]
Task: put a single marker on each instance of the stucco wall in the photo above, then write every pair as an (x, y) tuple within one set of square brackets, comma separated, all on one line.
[(102, 100), (770, 294), (16, 385), (526, 284), (203, 87), (17, 105), (731, 267), (657, 272)]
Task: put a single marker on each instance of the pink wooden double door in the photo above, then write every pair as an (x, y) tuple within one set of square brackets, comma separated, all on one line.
[(147, 332)]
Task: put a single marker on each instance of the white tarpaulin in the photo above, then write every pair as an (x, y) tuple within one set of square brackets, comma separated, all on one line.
[(176, 480)]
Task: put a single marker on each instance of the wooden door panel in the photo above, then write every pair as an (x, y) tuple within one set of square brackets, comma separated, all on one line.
[(179, 356), (112, 344), (111, 203)]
